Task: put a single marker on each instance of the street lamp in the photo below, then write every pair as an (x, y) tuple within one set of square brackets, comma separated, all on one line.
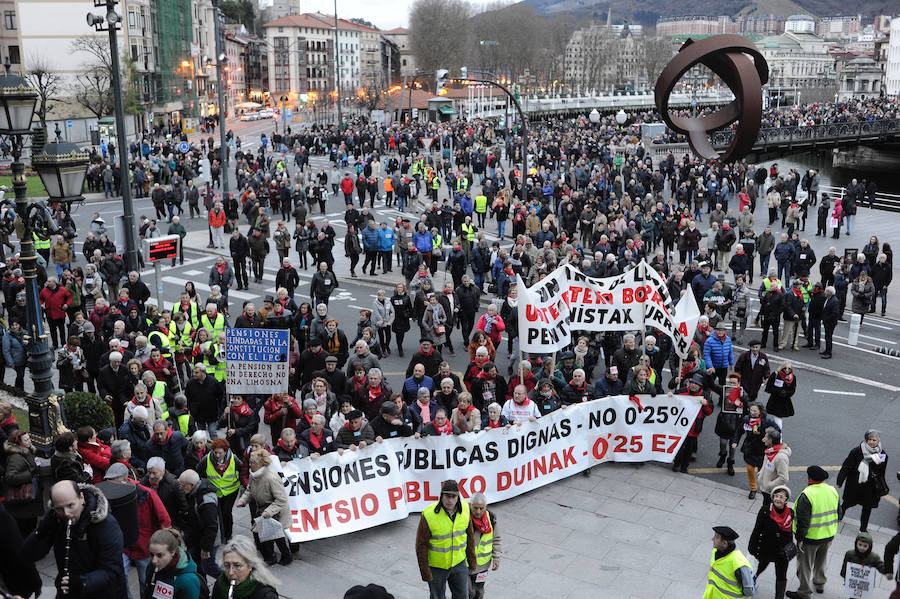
[(594, 116), (17, 103), (62, 167), (621, 117)]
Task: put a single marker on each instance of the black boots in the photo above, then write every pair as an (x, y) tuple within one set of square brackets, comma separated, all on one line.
[(721, 461), (730, 467)]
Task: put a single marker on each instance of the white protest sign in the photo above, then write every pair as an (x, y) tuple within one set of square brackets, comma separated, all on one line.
[(337, 494), (256, 360), (859, 582), (567, 299)]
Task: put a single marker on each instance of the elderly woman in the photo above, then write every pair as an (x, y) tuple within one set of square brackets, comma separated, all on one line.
[(220, 466), (269, 502), (753, 427), (440, 425), (434, 322), (243, 569), (863, 470), (240, 423), (772, 538), (168, 488), (120, 452), (326, 402), (493, 417), (196, 450), (446, 395), (22, 481), (424, 407), (465, 416)]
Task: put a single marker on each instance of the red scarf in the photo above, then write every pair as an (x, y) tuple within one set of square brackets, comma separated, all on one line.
[(754, 423), (493, 424), (797, 291), (221, 268), (483, 524), (787, 378), (771, 452), (9, 421), (463, 414), (374, 393), (308, 419), (242, 410), (783, 520), (316, 440), (145, 403), (447, 429), (734, 397)]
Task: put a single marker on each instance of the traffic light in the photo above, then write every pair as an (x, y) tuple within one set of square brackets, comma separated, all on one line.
[(442, 77), (465, 72)]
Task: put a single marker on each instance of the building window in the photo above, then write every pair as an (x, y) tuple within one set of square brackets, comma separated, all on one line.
[(14, 57), (9, 19), (131, 20), (134, 52)]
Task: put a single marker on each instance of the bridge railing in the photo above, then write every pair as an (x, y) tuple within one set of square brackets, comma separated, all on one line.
[(883, 201), (811, 135)]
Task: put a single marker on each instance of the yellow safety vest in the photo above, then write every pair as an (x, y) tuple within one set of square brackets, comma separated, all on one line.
[(469, 230), (216, 370), (214, 328), (165, 348), (484, 551), (225, 483), (721, 583), (462, 184), (805, 291), (159, 392), (767, 284), (193, 317), (40, 244), (481, 203), (437, 243), (184, 422), (651, 378), (823, 507), (179, 342), (435, 183), (447, 545)]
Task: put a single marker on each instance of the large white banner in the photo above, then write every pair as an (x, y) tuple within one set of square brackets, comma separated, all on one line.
[(567, 300), (337, 494)]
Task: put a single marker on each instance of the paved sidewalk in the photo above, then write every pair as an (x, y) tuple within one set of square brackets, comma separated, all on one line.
[(627, 531)]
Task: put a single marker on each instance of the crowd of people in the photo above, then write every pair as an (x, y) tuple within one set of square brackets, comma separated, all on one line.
[(593, 198)]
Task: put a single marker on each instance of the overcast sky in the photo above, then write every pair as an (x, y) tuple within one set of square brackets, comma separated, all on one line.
[(384, 14)]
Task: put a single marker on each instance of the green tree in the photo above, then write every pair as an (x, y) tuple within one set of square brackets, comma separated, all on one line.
[(131, 87), (240, 11)]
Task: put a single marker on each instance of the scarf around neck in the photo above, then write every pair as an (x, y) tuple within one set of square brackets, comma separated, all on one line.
[(771, 452), (783, 519), (869, 454), (446, 429), (483, 524)]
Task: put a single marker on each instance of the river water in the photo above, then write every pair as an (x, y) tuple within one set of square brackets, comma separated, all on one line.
[(886, 181)]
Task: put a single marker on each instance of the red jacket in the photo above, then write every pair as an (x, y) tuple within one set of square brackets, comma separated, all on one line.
[(97, 457), (217, 220), (347, 185), (272, 415), (152, 516), (55, 301)]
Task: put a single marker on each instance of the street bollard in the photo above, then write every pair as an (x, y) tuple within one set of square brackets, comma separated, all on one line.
[(855, 323)]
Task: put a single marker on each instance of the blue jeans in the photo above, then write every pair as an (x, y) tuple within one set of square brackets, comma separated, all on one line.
[(848, 218), (457, 577), (61, 267), (141, 565), (108, 189), (478, 279), (764, 264), (401, 203), (501, 228), (784, 267)]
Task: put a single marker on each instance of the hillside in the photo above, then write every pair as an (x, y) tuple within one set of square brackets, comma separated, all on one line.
[(647, 12)]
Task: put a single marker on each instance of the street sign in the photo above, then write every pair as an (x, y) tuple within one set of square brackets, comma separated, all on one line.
[(183, 147), (426, 142), (287, 113), (415, 112), (69, 124), (162, 248)]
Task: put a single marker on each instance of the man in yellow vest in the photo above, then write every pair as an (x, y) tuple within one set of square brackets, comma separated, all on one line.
[(487, 544), (730, 573), (445, 544), (816, 514)]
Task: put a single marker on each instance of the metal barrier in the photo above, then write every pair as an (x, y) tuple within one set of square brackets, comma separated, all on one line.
[(810, 136)]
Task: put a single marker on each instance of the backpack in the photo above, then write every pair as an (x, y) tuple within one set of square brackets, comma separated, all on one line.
[(204, 587)]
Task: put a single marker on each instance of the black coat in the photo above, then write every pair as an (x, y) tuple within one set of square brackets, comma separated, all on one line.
[(201, 526), (767, 541), (172, 496), (868, 493), (17, 575), (752, 377), (95, 549), (780, 403), (752, 447), (262, 591), (204, 399)]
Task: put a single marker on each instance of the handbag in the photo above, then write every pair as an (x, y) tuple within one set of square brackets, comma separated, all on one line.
[(790, 550), (24, 493), (440, 329)]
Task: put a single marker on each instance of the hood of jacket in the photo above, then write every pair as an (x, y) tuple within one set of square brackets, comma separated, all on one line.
[(95, 503), (864, 536), (13, 448)]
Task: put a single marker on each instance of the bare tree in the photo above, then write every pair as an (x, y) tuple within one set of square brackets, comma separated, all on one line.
[(597, 57), (655, 53), (47, 82), (438, 31), (92, 87)]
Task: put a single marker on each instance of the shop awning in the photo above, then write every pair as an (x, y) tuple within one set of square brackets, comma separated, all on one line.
[(446, 110)]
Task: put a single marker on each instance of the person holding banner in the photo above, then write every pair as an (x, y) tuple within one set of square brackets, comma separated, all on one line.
[(445, 544), (694, 387)]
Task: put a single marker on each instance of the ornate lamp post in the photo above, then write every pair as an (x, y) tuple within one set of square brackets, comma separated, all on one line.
[(61, 163)]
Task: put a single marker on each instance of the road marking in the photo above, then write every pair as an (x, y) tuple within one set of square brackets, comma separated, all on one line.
[(877, 326), (791, 468), (192, 273), (833, 392), (878, 339), (203, 287), (152, 271)]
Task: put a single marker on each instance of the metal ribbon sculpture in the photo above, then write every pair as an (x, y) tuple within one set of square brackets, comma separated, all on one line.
[(743, 69)]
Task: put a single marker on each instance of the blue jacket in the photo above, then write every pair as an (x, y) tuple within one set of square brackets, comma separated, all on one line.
[(172, 452), (717, 352), (423, 242), (13, 350), (605, 387), (386, 239), (371, 239), (542, 236), (411, 389), (784, 252), (466, 205)]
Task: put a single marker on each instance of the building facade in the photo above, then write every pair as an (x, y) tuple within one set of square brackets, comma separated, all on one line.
[(400, 36), (797, 60), (800, 24), (859, 78), (892, 63), (602, 57), (696, 25)]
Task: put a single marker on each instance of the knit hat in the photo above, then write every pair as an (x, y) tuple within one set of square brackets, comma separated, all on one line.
[(450, 487), (782, 488), (117, 470)]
